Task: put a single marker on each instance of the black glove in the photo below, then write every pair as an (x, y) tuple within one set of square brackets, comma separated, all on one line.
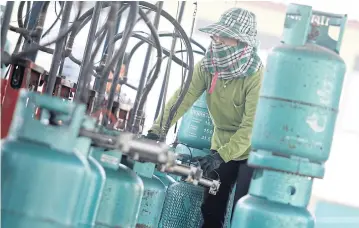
[(209, 163), (152, 136)]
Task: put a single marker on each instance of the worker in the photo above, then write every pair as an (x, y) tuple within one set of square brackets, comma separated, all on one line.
[(231, 74)]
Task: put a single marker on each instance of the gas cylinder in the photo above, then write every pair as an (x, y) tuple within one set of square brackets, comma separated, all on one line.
[(295, 120), (153, 196), (95, 187), (193, 152), (182, 207), (228, 218), (196, 127), (183, 201), (42, 175), (122, 194)]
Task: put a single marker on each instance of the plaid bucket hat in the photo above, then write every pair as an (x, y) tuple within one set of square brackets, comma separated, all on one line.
[(236, 23)]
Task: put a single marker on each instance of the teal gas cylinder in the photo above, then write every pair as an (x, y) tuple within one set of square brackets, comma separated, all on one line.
[(182, 207), (196, 127), (228, 218), (153, 196), (300, 93), (275, 200), (295, 120), (183, 201), (95, 187), (42, 175), (122, 194)]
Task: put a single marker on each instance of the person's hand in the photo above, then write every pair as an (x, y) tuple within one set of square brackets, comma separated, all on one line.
[(209, 163), (152, 136)]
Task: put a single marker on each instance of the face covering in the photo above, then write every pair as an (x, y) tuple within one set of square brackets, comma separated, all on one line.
[(229, 62)]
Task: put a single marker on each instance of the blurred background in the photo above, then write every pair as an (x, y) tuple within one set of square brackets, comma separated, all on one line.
[(335, 198)]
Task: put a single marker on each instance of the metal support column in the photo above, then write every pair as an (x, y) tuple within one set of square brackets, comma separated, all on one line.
[(37, 13), (56, 59), (145, 67), (5, 23), (111, 45), (163, 93), (88, 49)]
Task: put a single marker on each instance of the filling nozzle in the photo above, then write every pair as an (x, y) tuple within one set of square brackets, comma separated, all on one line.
[(140, 149), (193, 175), (137, 148)]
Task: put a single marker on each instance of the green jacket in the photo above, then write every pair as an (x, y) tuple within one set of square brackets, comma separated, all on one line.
[(232, 107)]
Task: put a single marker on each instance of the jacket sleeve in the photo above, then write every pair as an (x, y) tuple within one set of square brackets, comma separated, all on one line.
[(196, 89), (240, 142)]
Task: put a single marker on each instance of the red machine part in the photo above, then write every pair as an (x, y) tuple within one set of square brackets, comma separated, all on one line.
[(23, 74), (3, 87)]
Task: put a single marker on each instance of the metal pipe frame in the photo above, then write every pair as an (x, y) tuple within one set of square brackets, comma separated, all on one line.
[(5, 24), (102, 81), (56, 59), (163, 93), (82, 80), (146, 63)]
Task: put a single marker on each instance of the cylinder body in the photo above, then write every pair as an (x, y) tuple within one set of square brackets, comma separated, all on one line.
[(152, 202), (294, 122), (196, 127), (42, 180), (122, 194), (299, 102)]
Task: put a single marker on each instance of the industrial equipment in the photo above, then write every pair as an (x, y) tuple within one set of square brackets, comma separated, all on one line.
[(23, 74), (62, 168), (122, 194), (196, 128), (295, 120), (92, 197), (153, 196), (42, 177), (182, 207)]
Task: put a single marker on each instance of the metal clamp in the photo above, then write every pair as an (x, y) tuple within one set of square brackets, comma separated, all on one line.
[(137, 148), (193, 175)]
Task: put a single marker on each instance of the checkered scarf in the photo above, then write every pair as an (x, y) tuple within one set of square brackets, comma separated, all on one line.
[(231, 62)]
